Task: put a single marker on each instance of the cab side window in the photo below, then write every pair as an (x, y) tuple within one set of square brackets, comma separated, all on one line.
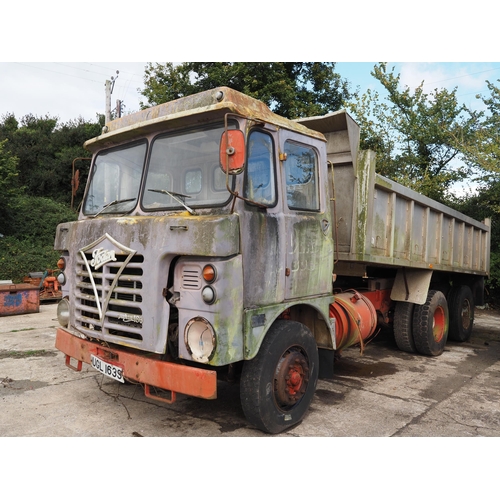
[(301, 170), (260, 181)]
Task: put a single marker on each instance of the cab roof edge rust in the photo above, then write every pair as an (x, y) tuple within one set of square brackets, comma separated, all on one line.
[(183, 111)]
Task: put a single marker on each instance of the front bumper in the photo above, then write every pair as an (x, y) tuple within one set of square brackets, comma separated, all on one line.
[(176, 378)]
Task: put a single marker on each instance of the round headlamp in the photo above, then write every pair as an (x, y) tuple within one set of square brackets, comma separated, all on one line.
[(63, 312), (199, 337)]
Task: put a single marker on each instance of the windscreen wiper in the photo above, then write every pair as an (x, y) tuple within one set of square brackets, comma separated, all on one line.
[(114, 202), (176, 197)]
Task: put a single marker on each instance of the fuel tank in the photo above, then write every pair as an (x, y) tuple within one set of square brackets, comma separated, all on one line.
[(355, 318)]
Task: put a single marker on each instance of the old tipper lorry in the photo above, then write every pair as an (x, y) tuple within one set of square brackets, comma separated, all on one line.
[(217, 238)]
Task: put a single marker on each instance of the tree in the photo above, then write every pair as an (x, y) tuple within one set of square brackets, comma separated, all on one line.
[(45, 150), (415, 134), (28, 242), (37, 154), (291, 89), (9, 188), (8, 177), (484, 151)]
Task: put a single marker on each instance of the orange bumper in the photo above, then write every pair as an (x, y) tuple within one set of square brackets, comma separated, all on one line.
[(172, 377)]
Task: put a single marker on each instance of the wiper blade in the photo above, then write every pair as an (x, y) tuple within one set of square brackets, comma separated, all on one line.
[(176, 197), (114, 202)]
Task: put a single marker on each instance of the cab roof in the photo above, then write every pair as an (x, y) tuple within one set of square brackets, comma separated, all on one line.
[(211, 105)]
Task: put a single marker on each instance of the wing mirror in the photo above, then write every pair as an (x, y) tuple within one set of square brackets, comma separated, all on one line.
[(232, 151)]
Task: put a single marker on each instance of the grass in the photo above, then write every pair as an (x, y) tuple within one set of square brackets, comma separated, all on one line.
[(26, 354)]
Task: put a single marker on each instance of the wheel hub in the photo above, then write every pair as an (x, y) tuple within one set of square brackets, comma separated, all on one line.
[(466, 314), (439, 324), (291, 378)]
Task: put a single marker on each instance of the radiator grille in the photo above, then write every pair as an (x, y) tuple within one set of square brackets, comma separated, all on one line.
[(120, 301)]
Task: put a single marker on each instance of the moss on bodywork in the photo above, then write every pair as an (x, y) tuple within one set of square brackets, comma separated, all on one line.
[(258, 321), (362, 193)]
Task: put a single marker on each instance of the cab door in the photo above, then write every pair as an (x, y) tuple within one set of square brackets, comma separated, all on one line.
[(309, 240), (263, 229)]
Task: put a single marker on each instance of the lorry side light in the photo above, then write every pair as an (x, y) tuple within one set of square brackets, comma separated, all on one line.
[(61, 263), (199, 337), (209, 273), (61, 278), (208, 295)]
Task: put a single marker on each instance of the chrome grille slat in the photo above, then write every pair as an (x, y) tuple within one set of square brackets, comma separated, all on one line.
[(125, 328), (87, 308), (123, 315), (124, 303)]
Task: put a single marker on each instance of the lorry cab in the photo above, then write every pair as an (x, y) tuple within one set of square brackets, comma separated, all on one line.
[(205, 222)]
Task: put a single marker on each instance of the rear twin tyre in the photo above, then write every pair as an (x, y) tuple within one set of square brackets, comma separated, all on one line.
[(430, 324), (277, 386), (461, 303), (403, 322), (422, 328)]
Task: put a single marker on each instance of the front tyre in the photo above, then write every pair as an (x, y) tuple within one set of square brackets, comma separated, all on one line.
[(277, 386)]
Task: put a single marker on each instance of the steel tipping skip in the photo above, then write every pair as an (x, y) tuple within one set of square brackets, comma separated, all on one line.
[(206, 246)]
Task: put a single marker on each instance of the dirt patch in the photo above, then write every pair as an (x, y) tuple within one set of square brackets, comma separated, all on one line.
[(8, 385), (26, 354)]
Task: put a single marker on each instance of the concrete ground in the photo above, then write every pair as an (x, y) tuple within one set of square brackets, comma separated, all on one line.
[(384, 392)]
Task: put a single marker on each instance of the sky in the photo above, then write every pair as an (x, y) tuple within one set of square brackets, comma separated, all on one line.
[(69, 90), (44, 46)]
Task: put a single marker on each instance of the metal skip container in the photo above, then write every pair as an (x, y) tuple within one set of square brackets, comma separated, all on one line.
[(19, 299)]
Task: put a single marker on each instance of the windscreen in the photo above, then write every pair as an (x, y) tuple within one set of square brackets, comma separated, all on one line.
[(116, 179), (184, 167)]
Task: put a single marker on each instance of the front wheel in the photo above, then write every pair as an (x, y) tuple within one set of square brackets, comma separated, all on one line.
[(277, 386)]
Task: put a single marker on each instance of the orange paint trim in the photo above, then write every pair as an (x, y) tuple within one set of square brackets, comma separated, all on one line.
[(197, 382)]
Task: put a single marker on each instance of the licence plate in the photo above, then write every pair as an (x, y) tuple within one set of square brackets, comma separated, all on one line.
[(111, 371)]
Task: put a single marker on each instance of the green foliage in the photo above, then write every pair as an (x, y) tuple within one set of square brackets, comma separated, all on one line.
[(45, 151), (20, 257), (415, 134), (484, 151), (28, 244), (8, 177), (485, 203), (8, 186), (290, 89), (36, 218)]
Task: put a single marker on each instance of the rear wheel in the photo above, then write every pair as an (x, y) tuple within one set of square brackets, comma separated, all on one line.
[(403, 325), (277, 386), (430, 324), (461, 305)]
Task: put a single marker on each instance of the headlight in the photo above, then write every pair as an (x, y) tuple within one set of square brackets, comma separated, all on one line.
[(199, 337), (63, 312)]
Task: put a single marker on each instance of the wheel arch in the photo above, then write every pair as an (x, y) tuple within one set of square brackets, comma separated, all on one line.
[(313, 315)]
